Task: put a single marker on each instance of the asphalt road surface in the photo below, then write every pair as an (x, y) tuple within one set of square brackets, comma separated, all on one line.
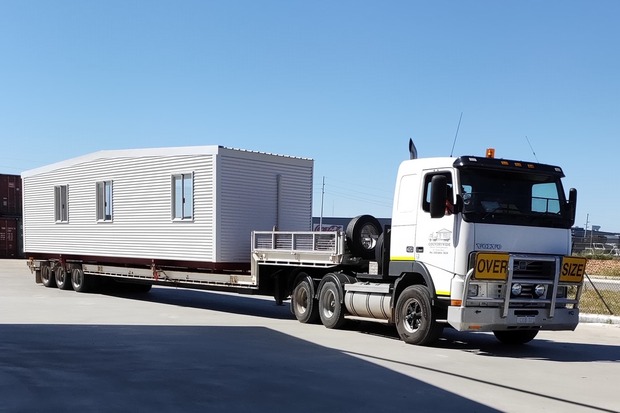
[(175, 350)]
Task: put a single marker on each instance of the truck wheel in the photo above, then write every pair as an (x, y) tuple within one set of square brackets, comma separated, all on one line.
[(303, 303), (515, 337), (362, 234), (63, 280), (415, 320), (330, 305), (47, 276), (82, 283)]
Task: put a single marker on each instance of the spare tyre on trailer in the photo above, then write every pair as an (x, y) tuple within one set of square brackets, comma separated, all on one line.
[(362, 234)]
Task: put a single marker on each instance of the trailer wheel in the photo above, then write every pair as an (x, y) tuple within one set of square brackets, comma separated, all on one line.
[(303, 303), (63, 279), (330, 305), (47, 276), (362, 234), (82, 283), (515, 337), (415, 320)]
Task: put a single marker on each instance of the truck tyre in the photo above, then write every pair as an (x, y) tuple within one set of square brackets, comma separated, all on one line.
[(362, 234), (303, 303), (47, 277), (82, 283), (63, 279), (414, 317), (330, 305), (515, 337)]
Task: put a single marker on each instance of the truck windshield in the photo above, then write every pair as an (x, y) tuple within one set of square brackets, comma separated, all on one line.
[(515, 198)]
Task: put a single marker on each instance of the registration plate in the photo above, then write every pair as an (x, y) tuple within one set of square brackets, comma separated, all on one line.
[(525, 320)]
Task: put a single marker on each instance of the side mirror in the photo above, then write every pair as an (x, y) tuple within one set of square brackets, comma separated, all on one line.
[(439, 186), (572, 205)]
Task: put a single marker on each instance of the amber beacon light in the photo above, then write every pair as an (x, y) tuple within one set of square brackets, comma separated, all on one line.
[(490, 153)]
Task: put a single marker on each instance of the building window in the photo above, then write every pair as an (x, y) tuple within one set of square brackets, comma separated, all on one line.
[(183, 197), (104, 201), (61, 212)]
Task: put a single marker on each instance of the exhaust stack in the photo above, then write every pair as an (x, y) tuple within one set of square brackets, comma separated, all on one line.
[(413, 152)]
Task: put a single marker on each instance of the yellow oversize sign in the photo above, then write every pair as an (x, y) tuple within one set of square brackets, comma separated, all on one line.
[(491, 266), (573, 269)]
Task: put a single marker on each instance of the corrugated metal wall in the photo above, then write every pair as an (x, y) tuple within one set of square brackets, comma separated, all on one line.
[(249, 196), (10, 196), (230, 200), (10, 216), (142, 224), (9, 237)]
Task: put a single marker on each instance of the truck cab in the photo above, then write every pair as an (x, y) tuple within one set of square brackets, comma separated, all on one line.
[(491, 238)]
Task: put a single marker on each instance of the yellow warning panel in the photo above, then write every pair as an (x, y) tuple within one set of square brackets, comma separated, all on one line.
[(491, 266), (573, 269)]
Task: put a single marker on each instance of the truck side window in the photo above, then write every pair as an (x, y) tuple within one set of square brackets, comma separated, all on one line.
[(426, 203), (545, 198)]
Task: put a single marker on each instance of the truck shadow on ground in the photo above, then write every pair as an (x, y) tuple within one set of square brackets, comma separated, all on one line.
[(483, 344), (128, 368), (538, 349), (208, 300)]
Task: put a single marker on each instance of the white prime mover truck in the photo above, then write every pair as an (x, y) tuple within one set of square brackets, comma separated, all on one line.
[(475, 242)]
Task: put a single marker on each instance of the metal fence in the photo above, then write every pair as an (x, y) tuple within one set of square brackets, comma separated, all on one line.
[(588, 248), (601, 294)]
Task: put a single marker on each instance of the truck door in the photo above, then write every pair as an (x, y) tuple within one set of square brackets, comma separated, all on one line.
[(404, 217), (435, 238)]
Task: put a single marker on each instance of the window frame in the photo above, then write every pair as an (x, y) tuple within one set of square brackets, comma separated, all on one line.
[(105, 201), (61, 204), (186, 180)]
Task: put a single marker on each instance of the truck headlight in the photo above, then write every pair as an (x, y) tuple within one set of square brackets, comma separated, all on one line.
[(516, 289), (539, 290)]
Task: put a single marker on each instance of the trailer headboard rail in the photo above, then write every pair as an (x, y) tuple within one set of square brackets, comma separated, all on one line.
[(311, 247)]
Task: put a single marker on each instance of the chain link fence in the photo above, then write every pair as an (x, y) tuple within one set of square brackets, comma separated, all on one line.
[(601, 294)]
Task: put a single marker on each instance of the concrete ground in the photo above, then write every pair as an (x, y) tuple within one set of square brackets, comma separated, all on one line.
[(195, 351)]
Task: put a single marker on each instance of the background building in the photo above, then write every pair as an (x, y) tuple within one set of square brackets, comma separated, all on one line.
[(11, 230)]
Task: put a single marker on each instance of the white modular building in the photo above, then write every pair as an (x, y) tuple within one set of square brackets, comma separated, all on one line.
[(186, 204)]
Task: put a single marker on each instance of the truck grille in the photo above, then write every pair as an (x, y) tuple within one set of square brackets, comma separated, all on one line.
[(533, 270)]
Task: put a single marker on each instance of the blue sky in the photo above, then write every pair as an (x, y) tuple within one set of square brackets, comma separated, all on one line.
[(346, 83)]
